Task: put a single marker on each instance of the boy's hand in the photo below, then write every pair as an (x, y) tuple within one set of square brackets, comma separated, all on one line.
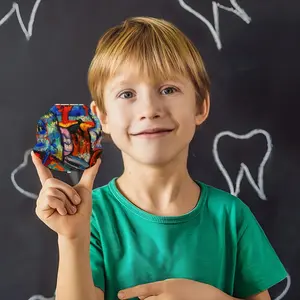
[(174, 289), (65, 209)]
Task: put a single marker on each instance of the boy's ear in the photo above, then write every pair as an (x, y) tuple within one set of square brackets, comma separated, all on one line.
[(101, 116), (202, 111)]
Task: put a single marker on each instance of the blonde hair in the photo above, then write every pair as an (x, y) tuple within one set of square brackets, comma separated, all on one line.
[(157, 46)]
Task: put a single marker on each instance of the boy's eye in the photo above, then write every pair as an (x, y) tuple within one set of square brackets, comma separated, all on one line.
[(126, 95), (166, 91), (169, 90)]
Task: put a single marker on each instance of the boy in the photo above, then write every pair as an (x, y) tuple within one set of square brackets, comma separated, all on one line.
[(153, 232)]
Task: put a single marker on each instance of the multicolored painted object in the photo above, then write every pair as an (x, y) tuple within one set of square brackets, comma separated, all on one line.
[(68, 138)]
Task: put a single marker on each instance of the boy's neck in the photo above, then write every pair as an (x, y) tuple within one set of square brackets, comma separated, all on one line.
[(164, 190)]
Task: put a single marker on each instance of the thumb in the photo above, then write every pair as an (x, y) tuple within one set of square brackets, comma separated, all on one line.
[(43, 172), (89, 175)]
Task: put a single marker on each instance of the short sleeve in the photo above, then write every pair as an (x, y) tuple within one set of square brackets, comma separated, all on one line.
[(96, 255), (258, 267)]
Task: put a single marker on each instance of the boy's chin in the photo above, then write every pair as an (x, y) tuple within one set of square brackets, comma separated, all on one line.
[(155, 160)]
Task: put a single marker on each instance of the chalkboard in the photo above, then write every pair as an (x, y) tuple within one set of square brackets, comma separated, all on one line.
[(249, 146)]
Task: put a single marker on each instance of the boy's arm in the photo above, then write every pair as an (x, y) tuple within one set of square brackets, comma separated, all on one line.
[(178, 288), (258, 267), (261, 296), (74, 280), (100, 294)]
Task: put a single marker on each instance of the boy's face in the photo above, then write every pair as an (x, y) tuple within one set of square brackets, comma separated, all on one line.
[(150, 122)]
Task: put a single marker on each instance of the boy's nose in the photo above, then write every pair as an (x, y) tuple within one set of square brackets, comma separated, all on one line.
[(151, 111), (151, 117), (151, 107)]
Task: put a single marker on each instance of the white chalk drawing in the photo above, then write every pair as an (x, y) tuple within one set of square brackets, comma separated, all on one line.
[(18, 169), (259, 187), (40, 297), (215, 29), (16, 9), (74, 176), (285, 291)]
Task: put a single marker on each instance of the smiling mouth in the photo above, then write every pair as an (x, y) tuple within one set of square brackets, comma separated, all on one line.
[(153, 132)]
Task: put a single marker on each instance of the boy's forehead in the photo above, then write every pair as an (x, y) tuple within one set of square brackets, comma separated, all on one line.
[(130, 73)]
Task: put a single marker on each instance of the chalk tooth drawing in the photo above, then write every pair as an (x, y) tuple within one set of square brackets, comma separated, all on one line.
[(15, 172), (215, 29), (16, 9), (74, 176), (285, 291), (244, 170)]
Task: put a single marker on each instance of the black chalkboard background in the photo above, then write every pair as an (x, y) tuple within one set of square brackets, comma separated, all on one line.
[(255, 82)]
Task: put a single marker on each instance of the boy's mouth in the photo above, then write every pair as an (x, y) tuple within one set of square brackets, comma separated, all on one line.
[(153, 132)]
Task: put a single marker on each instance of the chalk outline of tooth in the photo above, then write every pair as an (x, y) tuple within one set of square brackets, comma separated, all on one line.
[(16, 170), (73, 175), (16, 9), (243, 168), (215, 30)]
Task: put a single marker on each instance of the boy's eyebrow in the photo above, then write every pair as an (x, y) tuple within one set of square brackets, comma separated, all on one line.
[(117, 83)]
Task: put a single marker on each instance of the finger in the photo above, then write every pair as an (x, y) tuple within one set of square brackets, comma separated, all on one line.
[(143, 290), (43, 172), (89, 175), (69, 191), (71, 209), (53, 203), (159, 297), (162, 296)]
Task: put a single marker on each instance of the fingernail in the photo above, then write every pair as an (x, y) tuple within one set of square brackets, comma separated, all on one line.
[(73, 209), (77, 199), (120, 295)]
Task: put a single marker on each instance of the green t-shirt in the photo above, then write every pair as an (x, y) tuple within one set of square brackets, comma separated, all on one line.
[(219, 243)]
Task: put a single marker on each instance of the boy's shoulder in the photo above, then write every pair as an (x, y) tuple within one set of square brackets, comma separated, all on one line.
[(104, 194), (101, 191), (104, 201), (221, 205), (220, 198)]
